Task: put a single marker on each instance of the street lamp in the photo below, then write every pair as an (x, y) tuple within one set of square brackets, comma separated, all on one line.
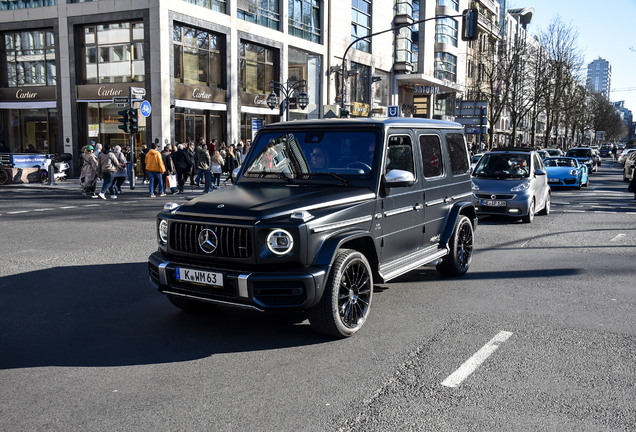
[(288, 89)]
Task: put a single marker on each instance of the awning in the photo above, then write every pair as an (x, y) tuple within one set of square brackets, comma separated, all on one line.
[(209, 106), (28, 105)]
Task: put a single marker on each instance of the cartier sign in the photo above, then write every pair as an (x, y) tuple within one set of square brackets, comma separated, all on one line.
[(108, 92), (31, 94), (254, 100), (199, 93), (103, 91)]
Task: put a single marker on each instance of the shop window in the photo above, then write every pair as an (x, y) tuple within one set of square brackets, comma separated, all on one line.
[(359, 83), (198, 57), (29, 58), (113, 53), (305, 66)]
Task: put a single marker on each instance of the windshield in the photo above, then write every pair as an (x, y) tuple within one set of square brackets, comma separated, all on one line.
[(579, 153), (340, 155), (503, 165), (560, 162)]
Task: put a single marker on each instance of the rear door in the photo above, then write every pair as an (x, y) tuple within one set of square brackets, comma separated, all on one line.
[(434, 185)]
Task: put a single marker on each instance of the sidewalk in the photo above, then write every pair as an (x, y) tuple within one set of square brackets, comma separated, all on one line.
[(72, 184)]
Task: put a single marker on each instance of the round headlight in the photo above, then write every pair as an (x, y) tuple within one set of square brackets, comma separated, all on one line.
[(163, 231), (280, 242), (574, 172)]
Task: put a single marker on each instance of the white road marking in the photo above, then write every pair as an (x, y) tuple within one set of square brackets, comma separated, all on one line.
[(606, 212), (44, 209), (68, 207), (470, 365), (16, 212), (618, 236), (561, 203), (90, 205), (574, 211)]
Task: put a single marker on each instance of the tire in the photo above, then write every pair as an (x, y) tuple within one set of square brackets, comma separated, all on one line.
[(346, 301), (43, 176), (189, 305), (546, 207), (4, 177), (458, 260), (530, 216)]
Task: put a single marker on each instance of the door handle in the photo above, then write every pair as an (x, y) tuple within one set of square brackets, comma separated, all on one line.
[(418, 207)]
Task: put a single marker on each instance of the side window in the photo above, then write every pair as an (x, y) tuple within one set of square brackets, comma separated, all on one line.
[(400, 154), (538, 163), (432, 163), (458, 153)]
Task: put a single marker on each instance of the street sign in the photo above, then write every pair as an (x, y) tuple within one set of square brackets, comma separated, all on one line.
[(146, 109), (475, 130), (393, 111), (120, 100), (138, 91)]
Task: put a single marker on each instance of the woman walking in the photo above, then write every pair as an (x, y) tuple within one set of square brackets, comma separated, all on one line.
[(107, 167), (216, 168), (120, 174), (88, 175)]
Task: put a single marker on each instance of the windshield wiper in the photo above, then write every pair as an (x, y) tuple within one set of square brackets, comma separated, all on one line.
[(336, 176), (265, 173)]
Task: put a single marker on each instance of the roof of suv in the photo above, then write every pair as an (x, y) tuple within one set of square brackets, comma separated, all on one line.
[(370, 121), (514, 149)]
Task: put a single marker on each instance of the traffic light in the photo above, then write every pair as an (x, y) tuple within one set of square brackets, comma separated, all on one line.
[(123, 119), (133, 120), (469, 24)]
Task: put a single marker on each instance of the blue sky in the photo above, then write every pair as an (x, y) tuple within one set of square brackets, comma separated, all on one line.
[(606, 29)]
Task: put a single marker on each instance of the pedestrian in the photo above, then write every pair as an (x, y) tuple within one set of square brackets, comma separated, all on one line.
[(191, 151), (614, 151), (98, 149), (239, 154), (203, 165), (230, 163), (200, 173), (216, 168), (120, 174), (107, 166), (166, 157), (212, 147), (182, 164), (142, 159), (88, 174), (154, 168)]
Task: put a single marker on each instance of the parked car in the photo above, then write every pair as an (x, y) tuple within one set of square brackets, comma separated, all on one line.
[(624, 154), (543, 154), (511, 182), (566, 172), (474, 159), (319, 212), (555, 152), (585, 156), (597, 157), (628, 168)]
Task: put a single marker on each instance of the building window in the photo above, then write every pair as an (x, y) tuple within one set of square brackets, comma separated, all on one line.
[(305, 66), (446, 31), (361, 24), (304, 19), (30, 58), (453, 4), (257, 67), (404, 45), (24, 4), (199, 57), (215, 5), (380, 88), (114, 53), (415, 36), (446, 66), (261, 12), (360, 83)]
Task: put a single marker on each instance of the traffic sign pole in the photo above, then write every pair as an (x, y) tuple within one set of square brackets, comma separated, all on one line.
[(133, 175)]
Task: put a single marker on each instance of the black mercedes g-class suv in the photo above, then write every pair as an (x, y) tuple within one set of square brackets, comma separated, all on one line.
[(320, 210)]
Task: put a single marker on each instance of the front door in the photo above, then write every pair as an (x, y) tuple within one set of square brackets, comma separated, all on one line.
[(403, 207)]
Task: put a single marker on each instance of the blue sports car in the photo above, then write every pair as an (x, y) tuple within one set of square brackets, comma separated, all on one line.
[(566, 172)]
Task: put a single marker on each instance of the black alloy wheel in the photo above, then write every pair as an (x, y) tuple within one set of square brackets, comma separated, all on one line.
[(457, 262)]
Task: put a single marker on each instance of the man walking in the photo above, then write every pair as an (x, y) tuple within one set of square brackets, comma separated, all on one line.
[(182, 164), (154, 168), (203, 165)]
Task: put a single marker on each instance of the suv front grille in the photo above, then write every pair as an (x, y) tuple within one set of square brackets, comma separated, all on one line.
[(232, 242)]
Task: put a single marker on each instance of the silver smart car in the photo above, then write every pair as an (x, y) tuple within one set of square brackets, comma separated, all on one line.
[(511, 182)]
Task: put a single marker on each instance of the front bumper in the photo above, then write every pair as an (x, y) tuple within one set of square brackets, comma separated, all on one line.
[(290, 289), (516, 205)]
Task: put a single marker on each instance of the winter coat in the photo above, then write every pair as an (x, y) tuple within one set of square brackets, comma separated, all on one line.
[(181, 160), (88, 175), (166, 157), (154, 162), (107, 162), (121, 171), (203, 158), (216, 167)]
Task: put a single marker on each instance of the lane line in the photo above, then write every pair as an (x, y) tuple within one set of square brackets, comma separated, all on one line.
[(618, 236), (470, 365), (68, 207), (43, 209), (17, 212)]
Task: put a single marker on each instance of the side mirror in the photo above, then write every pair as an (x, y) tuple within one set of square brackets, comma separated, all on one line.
[(540, 172), (399, 178)]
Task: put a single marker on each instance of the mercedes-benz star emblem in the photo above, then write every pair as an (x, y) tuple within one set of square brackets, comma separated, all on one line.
[(208, 240), (493, 196)]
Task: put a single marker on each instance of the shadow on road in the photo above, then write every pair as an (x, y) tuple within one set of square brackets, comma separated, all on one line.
[(110, 315)]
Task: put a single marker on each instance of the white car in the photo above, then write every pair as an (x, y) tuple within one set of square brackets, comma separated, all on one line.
[(628, 169), (624, 154), (474, 159)]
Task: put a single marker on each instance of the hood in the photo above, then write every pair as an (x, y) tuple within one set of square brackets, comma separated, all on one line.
[(559, 170), (502, 185), (261, 202)]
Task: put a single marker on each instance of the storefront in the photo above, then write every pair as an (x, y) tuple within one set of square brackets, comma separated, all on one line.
[(29, 119), (426, 100), (199, 112), (254, 111)]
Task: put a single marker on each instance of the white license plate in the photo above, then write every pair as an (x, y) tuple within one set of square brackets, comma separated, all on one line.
[(554, 181), (199, 276), (490, 203)]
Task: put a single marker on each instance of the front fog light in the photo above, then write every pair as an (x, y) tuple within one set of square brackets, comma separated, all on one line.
[(163, 231), (280, 242)]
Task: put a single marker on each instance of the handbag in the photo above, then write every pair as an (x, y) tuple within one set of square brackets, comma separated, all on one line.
[(171, 181)]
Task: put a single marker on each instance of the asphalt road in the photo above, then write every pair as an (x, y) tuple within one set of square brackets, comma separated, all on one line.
[(538, 336)]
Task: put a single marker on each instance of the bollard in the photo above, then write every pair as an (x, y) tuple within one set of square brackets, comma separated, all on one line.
[(51, 174)]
